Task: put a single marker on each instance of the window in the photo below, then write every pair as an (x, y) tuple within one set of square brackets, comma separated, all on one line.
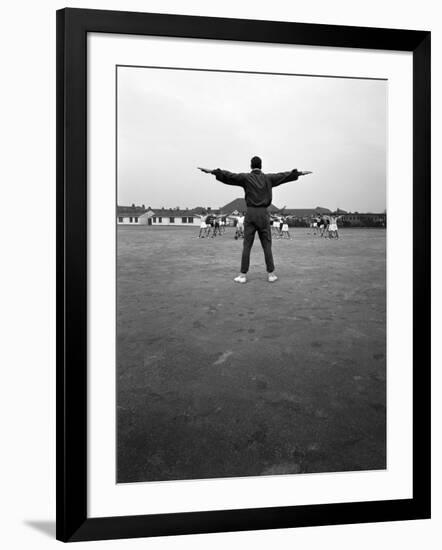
[(190, 220), (183, 220), (130, 220), (136, 220), (120, 219), (172, 219), (160, 220), (154, 220)]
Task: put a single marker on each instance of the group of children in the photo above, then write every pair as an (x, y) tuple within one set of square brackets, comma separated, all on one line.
[(213, 225), (280, 227), (326, 226)]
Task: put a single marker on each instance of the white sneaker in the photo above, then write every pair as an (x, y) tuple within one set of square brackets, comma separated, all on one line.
[(241, 278), (272, 278)]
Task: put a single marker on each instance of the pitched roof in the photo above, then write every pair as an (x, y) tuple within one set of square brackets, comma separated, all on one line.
[(241, 206), (306, 212), (130, 210), (199, 210), (172, 212), (205, 210)]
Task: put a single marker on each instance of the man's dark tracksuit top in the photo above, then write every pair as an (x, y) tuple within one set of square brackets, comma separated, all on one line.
[(257, 185)]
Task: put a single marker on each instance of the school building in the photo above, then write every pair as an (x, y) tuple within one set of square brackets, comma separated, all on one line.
[(131, 215), (191, 217), (140, 215), (174, 216)]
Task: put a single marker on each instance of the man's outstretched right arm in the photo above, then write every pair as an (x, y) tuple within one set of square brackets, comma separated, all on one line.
[(230, 178)]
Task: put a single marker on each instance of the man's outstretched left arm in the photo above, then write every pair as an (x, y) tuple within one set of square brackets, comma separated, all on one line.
[(285, 177)]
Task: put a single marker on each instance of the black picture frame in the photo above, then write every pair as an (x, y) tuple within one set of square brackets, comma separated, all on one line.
[(73, 25)]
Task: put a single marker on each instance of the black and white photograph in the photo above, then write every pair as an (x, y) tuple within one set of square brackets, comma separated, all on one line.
[(251, 220), (220, 327)]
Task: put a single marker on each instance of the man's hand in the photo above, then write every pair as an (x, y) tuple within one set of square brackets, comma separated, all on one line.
[(205, 170), (305, 173)]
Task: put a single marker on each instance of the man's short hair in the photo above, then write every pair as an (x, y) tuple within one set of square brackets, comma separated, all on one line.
[(256, 162)]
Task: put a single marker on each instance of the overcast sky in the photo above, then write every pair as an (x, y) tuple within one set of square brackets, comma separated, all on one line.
[(171, 121)]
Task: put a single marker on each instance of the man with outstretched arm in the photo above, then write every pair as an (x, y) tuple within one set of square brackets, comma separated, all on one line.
[(258, 194)]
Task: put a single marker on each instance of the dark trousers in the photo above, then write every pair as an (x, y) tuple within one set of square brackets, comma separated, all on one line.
[(257, 220)]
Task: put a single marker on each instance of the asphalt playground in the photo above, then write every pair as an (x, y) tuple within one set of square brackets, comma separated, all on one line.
[(217, 379)]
